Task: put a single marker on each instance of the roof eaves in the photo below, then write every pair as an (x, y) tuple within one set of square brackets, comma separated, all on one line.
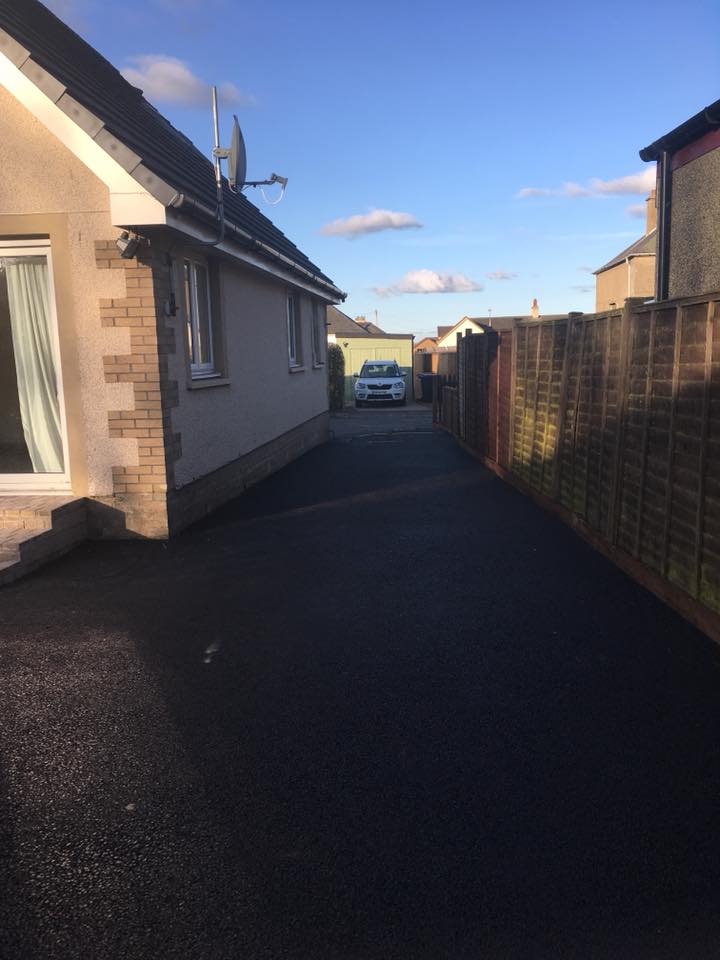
[(90, 124), (703, 122), (130, 161)]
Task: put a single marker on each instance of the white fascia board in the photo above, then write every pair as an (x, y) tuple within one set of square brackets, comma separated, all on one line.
[(130, 203), (237, 252)]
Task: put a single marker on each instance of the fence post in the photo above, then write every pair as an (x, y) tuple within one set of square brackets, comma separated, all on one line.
[(679, 314), (702, 459), (511, 399), (607, 341), (562, 400), (649, 373), (461, 377), (616, 465)]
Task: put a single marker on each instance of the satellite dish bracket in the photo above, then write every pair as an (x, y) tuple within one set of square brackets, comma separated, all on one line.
[(235, 157)]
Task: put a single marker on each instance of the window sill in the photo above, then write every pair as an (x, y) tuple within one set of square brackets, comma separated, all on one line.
[(298, 368), (318, 365), (201, 383)]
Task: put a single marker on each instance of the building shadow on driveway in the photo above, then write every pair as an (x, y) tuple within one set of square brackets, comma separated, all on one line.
[(428, 725)]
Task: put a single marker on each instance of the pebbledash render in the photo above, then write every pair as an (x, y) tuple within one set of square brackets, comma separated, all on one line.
[(171, 379)]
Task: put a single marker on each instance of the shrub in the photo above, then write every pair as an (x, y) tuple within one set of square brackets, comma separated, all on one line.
[(336, 377)]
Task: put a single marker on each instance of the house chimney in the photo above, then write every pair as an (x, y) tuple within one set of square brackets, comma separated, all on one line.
[(650, 212), (534, 309)]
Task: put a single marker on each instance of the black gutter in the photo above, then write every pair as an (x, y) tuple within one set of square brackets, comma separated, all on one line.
[(703, 122), (195, 208)]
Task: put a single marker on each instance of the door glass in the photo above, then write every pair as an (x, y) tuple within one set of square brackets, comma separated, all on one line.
[(30, 427)]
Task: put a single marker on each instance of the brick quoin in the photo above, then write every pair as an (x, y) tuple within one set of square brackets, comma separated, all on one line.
[(148, 422)]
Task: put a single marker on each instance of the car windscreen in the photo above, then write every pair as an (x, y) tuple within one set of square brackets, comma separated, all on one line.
[(379, 370)]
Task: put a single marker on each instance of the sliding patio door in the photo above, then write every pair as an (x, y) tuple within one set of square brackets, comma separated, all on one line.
[(33, 447)]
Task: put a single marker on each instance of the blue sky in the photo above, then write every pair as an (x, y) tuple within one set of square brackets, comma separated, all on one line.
[(430, 120)]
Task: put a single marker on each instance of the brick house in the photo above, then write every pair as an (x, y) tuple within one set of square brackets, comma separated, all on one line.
[(138, 388), (688, 203)]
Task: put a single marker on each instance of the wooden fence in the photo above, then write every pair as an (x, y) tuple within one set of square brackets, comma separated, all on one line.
[(615, 418)]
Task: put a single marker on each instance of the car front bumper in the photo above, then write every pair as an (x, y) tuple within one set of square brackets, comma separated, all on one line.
[(379, 395)]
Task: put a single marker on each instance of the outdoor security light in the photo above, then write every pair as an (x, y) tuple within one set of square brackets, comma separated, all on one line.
[(127, 244)]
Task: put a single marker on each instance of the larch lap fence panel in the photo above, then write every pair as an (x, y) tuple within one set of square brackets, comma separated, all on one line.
[(464, 407), (615, 417)]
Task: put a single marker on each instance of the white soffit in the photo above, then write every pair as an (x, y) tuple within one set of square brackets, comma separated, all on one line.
[(85, 136)]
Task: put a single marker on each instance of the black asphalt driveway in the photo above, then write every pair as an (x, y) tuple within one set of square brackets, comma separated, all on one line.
[(380, 708)]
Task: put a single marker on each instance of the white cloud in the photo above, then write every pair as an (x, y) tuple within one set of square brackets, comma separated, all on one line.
[(635, 183), (586, 270), (571, 189), (372, 222), (636, 210), (500, 275), (642, 182), (583, 288), (534, 192), (429, 281), (169, 80)]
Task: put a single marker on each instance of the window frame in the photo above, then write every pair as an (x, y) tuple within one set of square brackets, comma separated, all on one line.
[(12, 483), (318, 328), (294, 333), (199, 370)]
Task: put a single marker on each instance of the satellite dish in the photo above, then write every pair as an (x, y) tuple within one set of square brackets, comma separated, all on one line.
[(236, 158)]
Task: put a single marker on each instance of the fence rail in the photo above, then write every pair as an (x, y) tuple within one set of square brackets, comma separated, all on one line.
[(613, 416)]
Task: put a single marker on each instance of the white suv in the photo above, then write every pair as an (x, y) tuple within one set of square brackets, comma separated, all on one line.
[(379, 380)]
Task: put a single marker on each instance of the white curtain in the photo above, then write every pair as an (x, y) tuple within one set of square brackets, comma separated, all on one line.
[(27, 283)]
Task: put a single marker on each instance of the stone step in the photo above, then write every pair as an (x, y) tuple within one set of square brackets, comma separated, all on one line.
[(34, 511), (12, 539), (24, 548)]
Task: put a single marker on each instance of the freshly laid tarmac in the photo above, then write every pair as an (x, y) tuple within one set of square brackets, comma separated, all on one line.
[(380, 708)]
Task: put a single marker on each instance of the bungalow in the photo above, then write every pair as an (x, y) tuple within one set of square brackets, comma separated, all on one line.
[(447, 336), (688, 203), (151, 365)]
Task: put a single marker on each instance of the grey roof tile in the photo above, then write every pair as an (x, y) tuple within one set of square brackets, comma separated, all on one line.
[(644, 247), (95, 84)]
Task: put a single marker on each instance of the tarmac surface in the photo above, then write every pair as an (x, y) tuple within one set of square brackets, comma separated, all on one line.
[(381, 707)]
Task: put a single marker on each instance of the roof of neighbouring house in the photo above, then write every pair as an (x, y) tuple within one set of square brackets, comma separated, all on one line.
[(644, 247), (707, 120), (370, 327), (342, 325), (123, 113), (444, 331)]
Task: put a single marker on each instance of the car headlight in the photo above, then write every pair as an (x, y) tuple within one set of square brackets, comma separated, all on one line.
[(361, 384), (398, 385)]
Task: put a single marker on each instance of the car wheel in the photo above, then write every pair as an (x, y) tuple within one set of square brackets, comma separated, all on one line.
[(358, 403), (401, 403)]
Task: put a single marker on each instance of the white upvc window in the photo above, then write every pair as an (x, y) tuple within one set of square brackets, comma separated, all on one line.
[(318, 332), (198, 318), (293, 330)]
